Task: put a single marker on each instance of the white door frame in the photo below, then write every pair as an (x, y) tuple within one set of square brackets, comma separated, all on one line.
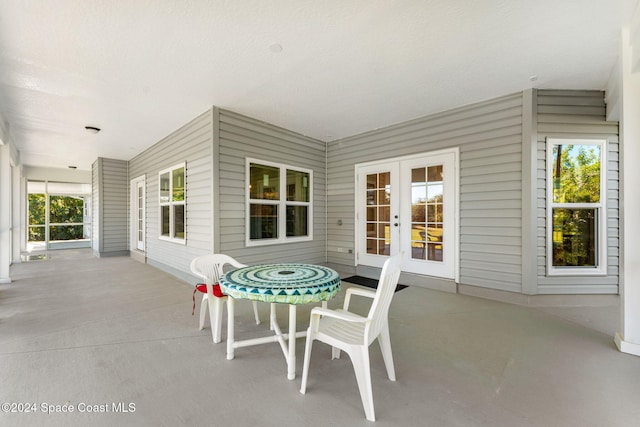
[(134, 212), (404, 194)]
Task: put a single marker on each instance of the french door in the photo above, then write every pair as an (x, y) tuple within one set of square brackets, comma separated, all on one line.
[(409, 205), (138, 214)]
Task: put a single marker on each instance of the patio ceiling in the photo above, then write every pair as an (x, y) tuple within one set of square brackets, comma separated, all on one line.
[(328, 69)]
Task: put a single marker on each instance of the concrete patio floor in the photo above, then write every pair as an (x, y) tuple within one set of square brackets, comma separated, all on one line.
[(106, 333)]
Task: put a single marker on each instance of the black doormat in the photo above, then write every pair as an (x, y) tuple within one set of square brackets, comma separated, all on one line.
[(369, 283)]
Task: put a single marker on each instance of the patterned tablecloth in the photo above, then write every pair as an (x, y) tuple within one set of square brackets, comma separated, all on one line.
[(282, 283)]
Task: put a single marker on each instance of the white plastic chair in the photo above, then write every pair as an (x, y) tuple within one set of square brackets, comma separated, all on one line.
[(353, 333), (209, 268)]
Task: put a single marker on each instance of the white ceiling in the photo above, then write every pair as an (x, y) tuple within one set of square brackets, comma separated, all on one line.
[(139, 69)]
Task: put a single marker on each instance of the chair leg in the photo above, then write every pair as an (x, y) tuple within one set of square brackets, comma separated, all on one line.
[(203, 310), (255, 312), (385, 347), (215, 317), (307, 358), (360, 361), (335, 353)]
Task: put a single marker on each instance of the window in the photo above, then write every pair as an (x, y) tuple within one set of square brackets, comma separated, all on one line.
[(278, 203), (172, 204), (576, 208), (59, 214)]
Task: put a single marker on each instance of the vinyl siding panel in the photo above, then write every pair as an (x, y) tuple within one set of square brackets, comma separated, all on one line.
[(577, 114), (241, 137), (489, 136), (192, 144), (110, 204), (96, 219)]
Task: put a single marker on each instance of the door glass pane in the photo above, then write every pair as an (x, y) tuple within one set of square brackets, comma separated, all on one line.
[(384, 248), (427, 213), (384, 180), (372, 198), (434, 241), (418, 213), (371, 246), (574, 237), (297, 221), (384, 213), (372, 214), (264, 182), (435, 173), (435, 252), (378, 196)]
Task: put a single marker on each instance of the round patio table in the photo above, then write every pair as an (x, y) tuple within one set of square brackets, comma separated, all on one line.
[(291, 284), (282, 283)]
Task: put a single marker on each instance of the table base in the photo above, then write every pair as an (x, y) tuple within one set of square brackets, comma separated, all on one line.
[(287, 341)]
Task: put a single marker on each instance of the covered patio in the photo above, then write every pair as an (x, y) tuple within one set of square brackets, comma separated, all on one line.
[(113, 331)]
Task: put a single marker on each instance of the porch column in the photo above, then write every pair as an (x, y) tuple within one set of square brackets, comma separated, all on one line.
[(5, 213), (23, 212), (17, 222), (628, 340)]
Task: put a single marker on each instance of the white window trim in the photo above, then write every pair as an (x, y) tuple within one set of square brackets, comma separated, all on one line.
[(601, 208), (282, 203), (170, 203)]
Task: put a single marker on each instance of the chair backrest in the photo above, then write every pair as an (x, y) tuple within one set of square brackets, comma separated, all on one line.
[(211, 267), (379, 311)]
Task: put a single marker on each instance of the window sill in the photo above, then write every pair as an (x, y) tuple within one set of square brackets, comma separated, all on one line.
[(169, 239), (577, 272), (266, 242)]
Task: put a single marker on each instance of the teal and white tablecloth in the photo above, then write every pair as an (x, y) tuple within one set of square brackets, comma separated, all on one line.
[(282, 283)]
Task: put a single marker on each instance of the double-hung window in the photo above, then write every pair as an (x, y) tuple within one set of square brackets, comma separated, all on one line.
[(576, 207), (172, 204), (279, 203)]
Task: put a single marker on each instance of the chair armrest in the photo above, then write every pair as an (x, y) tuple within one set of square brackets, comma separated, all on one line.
[(200, 276), (357, 291), (362, 292), (337, 314)]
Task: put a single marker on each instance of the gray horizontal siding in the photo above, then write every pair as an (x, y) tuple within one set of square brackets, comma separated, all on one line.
[(193, 144), (96, 217), (110, 198), (489, 135), (577, 114), (241, 137)]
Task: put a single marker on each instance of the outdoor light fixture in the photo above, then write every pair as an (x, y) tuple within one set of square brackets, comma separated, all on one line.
[(92, 129)]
